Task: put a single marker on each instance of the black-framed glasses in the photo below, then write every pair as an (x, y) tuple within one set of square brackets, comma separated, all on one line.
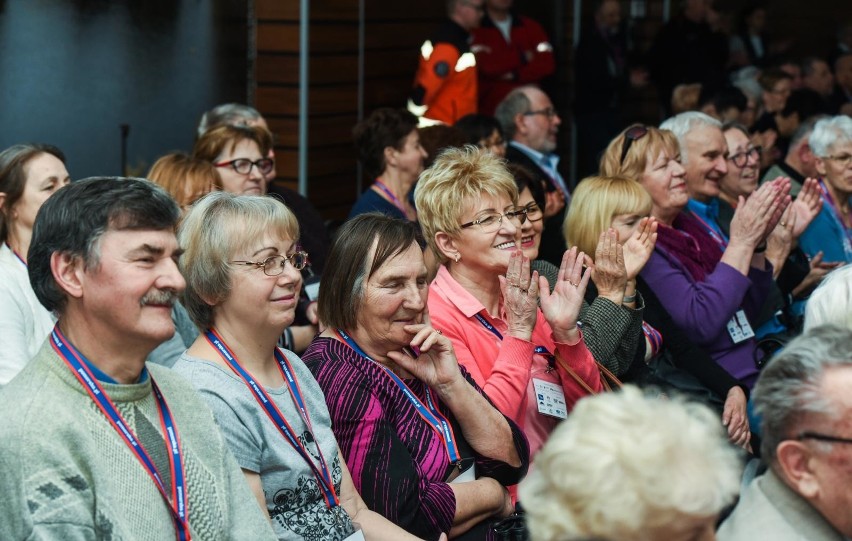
[(740, 159), (843, 160), (274, 264), (823, 437), (633, 133), (243, 165), (491, 221), (531, 212), (549, 112)]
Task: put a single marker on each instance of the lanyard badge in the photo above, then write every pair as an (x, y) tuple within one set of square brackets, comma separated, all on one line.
[(321, 473), (177, 500)]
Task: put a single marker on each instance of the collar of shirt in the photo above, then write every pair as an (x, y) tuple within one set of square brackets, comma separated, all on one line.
[(102, 376), (709, 212), (456, 294), (548, 160)]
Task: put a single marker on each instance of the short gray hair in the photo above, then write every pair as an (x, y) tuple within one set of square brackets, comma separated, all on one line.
[(790, 387), (593, 478), (830, 131), (215, 227), (515, 103), (228, 114), (684, 123), (831, 302)]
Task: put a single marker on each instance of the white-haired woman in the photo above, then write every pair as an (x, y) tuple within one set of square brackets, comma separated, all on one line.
[(629, 467), (831, 231), (242, 270), (831, 302)]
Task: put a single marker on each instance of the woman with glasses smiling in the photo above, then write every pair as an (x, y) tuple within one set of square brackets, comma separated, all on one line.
[(530, 361), (242, 271)]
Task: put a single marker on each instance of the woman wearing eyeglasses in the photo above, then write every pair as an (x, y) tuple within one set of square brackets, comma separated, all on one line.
[(242, 270), (831, 232), (790, 269), (711, 286), (389, 149), (530, 361), (240, 153)]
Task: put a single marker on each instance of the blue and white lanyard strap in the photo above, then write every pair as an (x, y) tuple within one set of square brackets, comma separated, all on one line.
[(430, 414), (540, 350), (177, 503), (720, 240), (322, 474)]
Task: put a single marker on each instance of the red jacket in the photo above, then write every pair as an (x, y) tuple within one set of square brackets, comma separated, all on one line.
[(445, 84), (503, 65)]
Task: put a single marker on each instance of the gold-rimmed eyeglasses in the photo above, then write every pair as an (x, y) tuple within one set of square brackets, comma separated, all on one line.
[(274, 264)]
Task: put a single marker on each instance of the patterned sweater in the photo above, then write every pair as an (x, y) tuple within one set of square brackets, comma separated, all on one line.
[(66, 474), (397, 460)]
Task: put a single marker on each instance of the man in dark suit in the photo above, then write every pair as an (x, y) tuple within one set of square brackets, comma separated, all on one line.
[(530, 123)]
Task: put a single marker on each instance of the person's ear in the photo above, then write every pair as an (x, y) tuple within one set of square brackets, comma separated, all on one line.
[(69, 272), (520, 125), (390, 154), (796, 460), (448, 246), (806, 155), (820, 166)]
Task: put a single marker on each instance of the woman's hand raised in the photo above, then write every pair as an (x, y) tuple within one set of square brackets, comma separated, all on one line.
[(806, 206), (640, 246), (430, 357), (520, 296), (609, 273), (561, 308), (756, 216)]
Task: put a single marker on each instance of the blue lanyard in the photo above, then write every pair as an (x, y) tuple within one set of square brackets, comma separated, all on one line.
[(720, 240), (430, 414), (177, 503), (321, 474), (541, 350)]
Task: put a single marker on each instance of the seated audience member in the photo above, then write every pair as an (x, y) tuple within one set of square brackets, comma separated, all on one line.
[(314, 238), (711, 289), (436, 138), (790, 266), (483, 131), (617, 207), (802, 397), (685, 98), (831, 301), (530, 123), (239, 154), (776, 88), (389, 149), (486, 301), (725, 105), (242, 263), (799, 163), (391, 381), (818, 80), (132, 451), (612, 319), (29, 174), (186, 179), (831, 231), (631, 467)]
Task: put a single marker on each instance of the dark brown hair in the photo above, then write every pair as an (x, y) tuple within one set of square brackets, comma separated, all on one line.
[(385, 127), (342, 286)]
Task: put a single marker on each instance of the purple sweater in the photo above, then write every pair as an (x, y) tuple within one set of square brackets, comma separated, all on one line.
[(703, 309), (398, 462)]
